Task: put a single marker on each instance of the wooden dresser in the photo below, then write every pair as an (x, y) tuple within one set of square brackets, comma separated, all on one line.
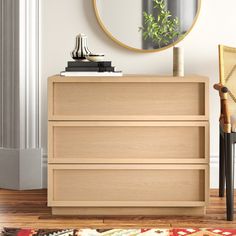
[(132, 145)]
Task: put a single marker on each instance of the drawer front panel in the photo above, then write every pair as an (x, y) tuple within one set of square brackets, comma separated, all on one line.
[(127, 101), (128, 142), (128, 185)]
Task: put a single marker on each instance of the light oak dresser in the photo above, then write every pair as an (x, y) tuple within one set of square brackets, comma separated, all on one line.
[(131, 145)]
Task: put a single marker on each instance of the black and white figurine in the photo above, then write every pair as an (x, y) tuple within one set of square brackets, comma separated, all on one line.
[(81, 48)]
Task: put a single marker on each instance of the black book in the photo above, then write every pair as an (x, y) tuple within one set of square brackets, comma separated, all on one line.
[(98, 69), (89, 64), (107, 69), (82, 68)]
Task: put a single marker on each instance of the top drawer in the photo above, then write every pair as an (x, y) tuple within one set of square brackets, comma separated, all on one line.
[(128, 98)]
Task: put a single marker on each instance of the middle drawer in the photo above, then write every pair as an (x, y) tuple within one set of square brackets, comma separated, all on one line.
[(128, 142)]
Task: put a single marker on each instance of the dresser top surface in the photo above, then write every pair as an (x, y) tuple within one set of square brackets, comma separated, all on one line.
[(130, 78)]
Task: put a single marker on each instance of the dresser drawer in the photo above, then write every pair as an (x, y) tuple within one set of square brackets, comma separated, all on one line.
[(128, 99), (128, 185), (128, 142)]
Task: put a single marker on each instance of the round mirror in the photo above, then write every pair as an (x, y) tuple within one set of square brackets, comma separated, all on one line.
[(147, 25)]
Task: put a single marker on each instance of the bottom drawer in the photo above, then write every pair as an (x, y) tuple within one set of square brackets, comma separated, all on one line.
[(128, 185)]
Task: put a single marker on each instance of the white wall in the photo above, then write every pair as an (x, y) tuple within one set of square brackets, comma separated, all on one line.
[(62, 20)]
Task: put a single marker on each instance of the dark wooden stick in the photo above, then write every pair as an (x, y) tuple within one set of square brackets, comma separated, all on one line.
[(225, 114)]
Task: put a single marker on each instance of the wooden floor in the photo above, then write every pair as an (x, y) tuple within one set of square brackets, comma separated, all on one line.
[(29, 209)]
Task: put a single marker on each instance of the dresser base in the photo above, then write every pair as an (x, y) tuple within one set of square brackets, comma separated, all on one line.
[(126, 211)]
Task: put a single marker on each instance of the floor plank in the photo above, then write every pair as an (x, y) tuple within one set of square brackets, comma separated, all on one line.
[(29, 209)]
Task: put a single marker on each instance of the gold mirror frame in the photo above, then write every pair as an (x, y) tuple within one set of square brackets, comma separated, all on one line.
[(144, 50)]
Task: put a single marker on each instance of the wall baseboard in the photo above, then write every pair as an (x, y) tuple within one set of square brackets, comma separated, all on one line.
[(21, 169), (45, 171), (214, 172)]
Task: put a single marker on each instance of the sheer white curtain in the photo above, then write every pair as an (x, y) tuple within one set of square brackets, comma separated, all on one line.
[(20, 149)]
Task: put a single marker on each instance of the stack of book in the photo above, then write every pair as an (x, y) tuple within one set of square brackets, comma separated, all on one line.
[(88, 68)]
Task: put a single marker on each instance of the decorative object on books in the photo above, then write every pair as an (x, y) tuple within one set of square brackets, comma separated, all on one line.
[(81, 48), (162, 23), (193, 231), (95, 57), (178, 61), (87, 63)]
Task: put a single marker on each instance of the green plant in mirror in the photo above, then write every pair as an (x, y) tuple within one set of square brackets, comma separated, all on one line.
[(162, 29)]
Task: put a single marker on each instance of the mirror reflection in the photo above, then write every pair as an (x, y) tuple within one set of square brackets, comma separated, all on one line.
[(146, 24)]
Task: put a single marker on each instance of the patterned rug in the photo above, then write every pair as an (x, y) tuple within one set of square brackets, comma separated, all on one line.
[(118, 232)]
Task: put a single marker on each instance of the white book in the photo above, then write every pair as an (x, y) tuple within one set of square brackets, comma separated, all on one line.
[(85, 73)]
